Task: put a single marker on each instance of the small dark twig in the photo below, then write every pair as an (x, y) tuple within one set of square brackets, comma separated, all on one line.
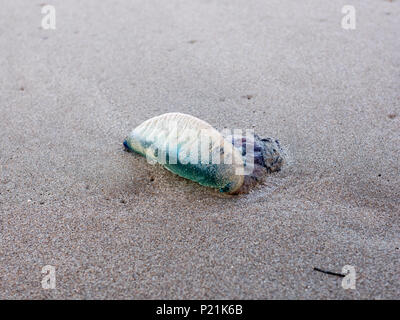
[(330, 272)]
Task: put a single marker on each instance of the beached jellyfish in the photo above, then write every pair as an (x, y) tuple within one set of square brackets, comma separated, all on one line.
[(193, 149)]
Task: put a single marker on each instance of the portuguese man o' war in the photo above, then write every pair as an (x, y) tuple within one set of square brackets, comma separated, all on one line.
[(193, 149)]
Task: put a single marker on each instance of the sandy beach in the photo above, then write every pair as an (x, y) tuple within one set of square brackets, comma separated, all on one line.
[(116, 227)]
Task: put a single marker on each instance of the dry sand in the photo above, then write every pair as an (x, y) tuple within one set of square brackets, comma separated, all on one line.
[(116, 227)]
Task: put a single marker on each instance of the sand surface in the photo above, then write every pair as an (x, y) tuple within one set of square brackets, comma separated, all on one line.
[(116, 227)]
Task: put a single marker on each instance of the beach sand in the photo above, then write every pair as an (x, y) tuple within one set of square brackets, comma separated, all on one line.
[(117, 227)]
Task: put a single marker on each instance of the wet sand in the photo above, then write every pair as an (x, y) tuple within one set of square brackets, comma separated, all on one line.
[(116, 227)]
